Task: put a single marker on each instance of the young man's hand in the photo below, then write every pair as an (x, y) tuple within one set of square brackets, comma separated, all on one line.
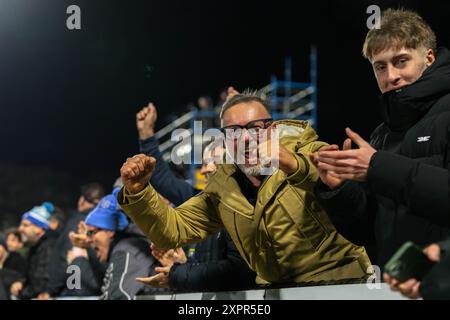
[(411, 287), (136, 172), (145, 121), (331, 181), (350, 164)]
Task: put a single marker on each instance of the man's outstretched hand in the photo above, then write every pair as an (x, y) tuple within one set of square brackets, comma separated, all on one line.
[(136, 172)]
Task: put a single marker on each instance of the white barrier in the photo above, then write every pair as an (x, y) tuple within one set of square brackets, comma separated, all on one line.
[(328, 292)]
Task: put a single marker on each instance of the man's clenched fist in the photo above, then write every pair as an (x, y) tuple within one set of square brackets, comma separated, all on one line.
[(136, 172)]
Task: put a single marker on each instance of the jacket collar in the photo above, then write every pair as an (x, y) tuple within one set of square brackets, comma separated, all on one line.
[(402, 108)]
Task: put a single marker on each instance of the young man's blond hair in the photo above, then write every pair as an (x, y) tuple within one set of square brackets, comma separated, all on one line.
[(399, 29)]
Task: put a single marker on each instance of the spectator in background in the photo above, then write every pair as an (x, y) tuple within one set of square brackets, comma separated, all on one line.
[(216, 263), (57, 219), (119, 244), (33, 228), (12, 267), (11, 260), (207, 115), (14, 242), (204, 103), (90, 196)]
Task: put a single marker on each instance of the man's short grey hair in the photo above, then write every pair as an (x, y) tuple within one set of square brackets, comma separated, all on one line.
[(245, 97)]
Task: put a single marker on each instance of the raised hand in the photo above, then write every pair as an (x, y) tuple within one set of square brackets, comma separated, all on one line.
[(271, 152), (145, 121), (350, 164), (136, 172)]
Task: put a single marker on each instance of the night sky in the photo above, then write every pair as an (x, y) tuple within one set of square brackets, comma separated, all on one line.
[(68, 98)]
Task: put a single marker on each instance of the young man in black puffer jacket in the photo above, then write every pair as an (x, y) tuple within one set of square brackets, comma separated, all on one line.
[(363, 184)]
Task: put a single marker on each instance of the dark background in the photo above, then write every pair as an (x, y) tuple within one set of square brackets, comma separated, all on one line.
[(68, 98)]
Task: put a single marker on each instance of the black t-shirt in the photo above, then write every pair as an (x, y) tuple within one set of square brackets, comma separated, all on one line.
[(247, 188)]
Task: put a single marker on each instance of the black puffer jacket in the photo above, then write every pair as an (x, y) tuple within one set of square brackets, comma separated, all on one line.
[(37, 275), (427, 196), (417, 126)]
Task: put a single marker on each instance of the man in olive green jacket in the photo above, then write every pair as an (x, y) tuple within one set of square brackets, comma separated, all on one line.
[(276, 223)]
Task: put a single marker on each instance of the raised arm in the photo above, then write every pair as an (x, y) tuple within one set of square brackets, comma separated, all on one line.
[(167, 227)]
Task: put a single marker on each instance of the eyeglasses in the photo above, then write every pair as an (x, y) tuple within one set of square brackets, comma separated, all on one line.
[(253, 128), (91, 233)]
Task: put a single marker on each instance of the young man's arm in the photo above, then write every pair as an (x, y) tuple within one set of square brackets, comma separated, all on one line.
[(423, 188)]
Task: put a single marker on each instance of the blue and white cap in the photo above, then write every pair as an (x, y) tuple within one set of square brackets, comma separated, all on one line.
[(39, 216)]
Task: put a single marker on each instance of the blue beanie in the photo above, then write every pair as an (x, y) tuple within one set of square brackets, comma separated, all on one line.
[(49, 206), (39, 216), (108, 215)]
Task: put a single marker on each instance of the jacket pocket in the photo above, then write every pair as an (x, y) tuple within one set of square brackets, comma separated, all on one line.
[(302, 212)]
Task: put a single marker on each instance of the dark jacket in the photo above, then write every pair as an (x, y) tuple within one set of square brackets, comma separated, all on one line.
[(427, 196), (129, 257), (416, 125), (14, 269), (219, 267), (16, 262), (436, 284), (92, 272), (58, 264), (37, 274)]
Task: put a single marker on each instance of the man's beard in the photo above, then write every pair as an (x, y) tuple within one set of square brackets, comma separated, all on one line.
[(252, 170)]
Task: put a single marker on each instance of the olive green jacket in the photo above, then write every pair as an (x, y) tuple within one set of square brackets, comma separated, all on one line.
[(286, 237)]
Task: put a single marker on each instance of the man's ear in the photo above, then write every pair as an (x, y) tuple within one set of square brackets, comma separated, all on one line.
[(430, 57)]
